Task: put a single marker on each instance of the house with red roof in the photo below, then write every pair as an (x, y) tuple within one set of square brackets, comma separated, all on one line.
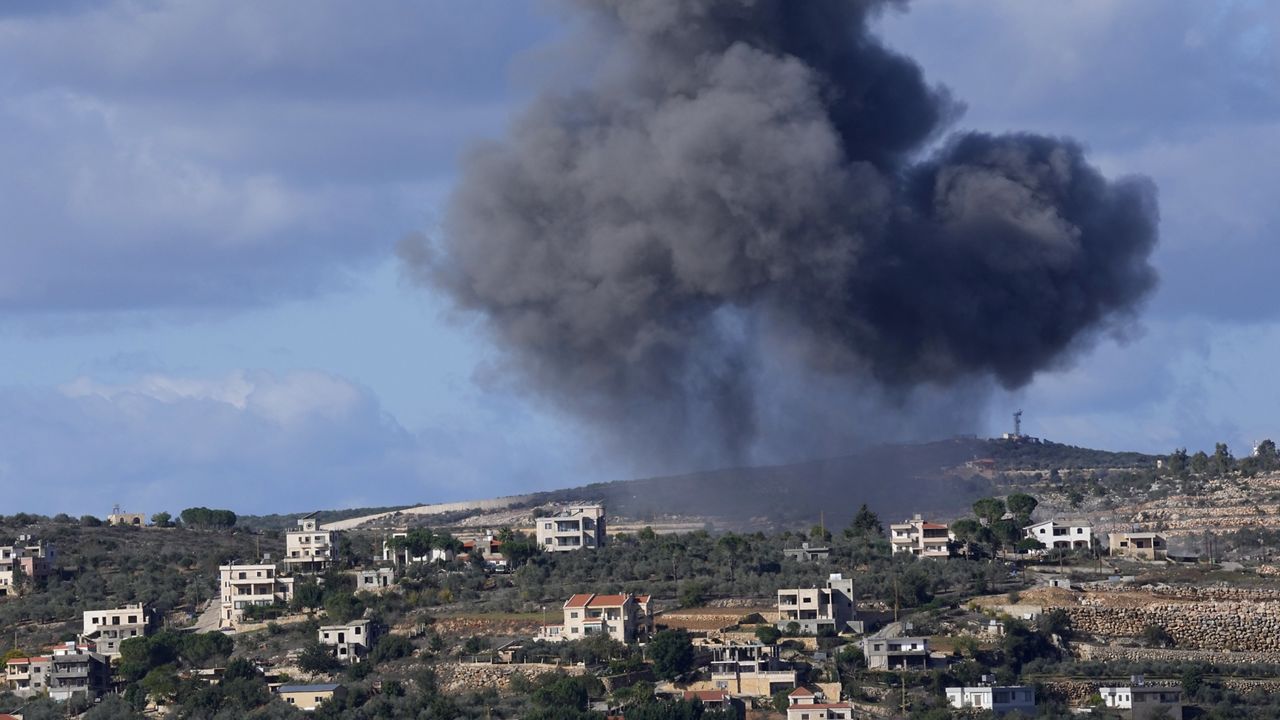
[(811, 703), (623, 617), (921, 537)]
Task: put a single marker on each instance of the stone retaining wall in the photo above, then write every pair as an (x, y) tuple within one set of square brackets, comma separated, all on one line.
[(1086, 651)]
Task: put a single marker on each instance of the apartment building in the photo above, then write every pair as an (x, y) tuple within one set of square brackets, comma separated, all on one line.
[(575, 527), (921, 538), (814, 610), (74, 671), (998, 699), (1142, 701), (28, 676), (1062, 535), (749, 669), (896, 653), (308, 549), (811, 703), (1141, 545), (349, 642), (622, 617), (27, 559), (106, 629), (243, 586)]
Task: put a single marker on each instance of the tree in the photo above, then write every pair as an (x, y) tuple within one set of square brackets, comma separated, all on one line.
[(391, 647), (768, 634), (692, 594), (161, 684), (342, 607), (1199, 463), (203, 518), (817, 533), (517, 547), (1157, 637), (1021, 505), (989, 510), (307, 595), (969, 532), (90, 521), (1223, 462), (671, 652), (1177, 462), (316, 658), (865, 523), (162, 519)]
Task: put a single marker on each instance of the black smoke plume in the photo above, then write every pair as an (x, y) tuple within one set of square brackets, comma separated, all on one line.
[(743, 180)]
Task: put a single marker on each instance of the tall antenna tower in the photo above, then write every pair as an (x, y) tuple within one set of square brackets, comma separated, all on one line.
[(1017, 424)]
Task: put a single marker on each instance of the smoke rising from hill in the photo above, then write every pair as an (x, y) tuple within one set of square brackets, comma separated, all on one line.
[(739, 192)]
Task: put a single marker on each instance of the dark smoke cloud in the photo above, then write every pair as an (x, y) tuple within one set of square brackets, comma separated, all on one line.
[(742, 180)]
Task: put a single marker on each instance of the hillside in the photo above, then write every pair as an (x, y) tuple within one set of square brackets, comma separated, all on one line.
[(894, 480)]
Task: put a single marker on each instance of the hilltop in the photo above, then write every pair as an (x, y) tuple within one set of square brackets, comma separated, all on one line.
[(939, 478)]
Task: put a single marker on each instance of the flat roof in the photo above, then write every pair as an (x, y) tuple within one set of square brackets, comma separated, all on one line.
[(319, 687)]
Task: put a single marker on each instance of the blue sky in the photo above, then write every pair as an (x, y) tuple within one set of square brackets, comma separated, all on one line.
[(200, 301)]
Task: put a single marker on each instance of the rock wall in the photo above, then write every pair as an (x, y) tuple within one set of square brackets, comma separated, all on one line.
[(455, 677), (1086, 651)]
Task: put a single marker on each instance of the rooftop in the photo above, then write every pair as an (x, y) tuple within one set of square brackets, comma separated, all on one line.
[(319, 687)]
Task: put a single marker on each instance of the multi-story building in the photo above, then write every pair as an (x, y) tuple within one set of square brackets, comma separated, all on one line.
[(106, 629), (749, 669), (1141, 545), (997, 699), (573, 528), (811, 703), (75, 671), (308, 549), (28, 559), (896, 653), (349, 642), (921, 537), (1144, 701), (1062, 535), (814, 610), (622, 617), (243, 586), (28, 676)]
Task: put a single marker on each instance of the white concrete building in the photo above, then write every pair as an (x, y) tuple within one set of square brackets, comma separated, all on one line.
[(308, 549), (622, 617), (896, 653), (1144, 701), (997, 699), (814, 610), (106, 629), (243, 586), (575, 527), (1062, 535), (403, 556), (349, 642), (28, 559), (921, 538)]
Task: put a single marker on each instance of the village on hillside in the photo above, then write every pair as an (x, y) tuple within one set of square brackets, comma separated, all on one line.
[(1028, 605)]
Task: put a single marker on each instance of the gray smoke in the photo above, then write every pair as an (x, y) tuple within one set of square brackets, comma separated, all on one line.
[(742, 181)]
